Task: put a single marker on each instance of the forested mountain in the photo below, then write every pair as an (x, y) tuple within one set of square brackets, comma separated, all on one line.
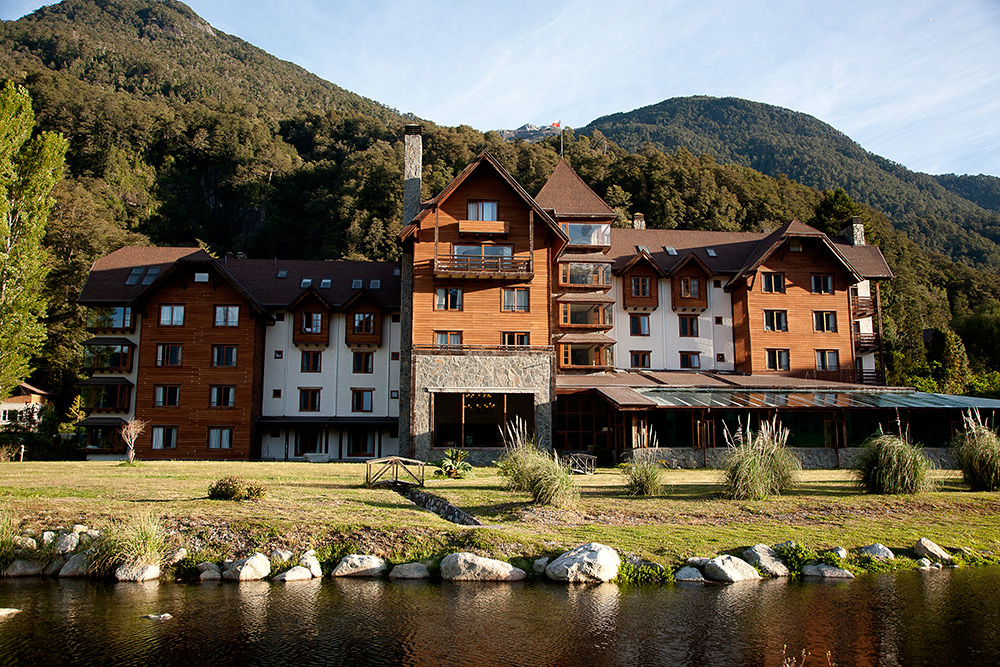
[(957, 216), (180, 134)]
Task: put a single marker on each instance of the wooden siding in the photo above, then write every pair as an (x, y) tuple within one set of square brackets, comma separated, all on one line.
[(364, 305), (692, 271), (640, 270), (801, 340), (196, 375), (481, 319), (311, 304), (741, 328)]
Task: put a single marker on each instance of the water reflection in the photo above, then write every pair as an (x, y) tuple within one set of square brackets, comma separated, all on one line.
[(911, 618)]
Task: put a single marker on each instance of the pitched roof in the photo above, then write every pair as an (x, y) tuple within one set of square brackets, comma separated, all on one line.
[(483, 158), (731, 248), (867, 259), (774, 240), (106, 281), (567, 194)]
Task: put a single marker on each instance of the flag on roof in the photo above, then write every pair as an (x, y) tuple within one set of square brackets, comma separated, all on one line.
[(558, 123)]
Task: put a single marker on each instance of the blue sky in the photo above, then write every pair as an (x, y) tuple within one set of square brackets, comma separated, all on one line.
[(917, 82)]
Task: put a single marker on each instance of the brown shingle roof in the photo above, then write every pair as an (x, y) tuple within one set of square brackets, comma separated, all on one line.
[(867, 259), (570, 197), (731, 248), (106, 283)]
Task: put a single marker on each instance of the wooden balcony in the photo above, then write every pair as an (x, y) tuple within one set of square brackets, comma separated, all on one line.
[(862, 306), (482, 268), (869, 376), (867, 342)]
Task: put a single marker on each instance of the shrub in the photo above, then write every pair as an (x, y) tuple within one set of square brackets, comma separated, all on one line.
[(135, 540), (454, 464), (977, 450), (642, 479), (552, 483), (642, 575), (235, 488), (8, 531), (759, 463), (889, 464)]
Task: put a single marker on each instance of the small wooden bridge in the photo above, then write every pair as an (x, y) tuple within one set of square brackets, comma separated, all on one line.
[(394, 470), (580, 464)]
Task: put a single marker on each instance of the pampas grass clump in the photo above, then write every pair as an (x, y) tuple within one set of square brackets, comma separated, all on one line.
[(530, 470), (136, 540), (759, 464), (891, 464), (977, 449)]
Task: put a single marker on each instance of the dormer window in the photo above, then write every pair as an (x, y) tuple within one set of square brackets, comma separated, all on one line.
[(642, 248), (483, 210), (312, 323), (795, 245), (201, 277), (690, 288)]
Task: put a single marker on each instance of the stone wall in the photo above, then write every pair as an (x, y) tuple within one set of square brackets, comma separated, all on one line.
[(438, 505), (527, 371), (812, 458)]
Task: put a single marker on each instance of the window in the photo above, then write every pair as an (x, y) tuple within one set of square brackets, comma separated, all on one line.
[(640, 286), (325, 283), (375, 283), (795, 245), (168, 354), (282, 273), (827, 360), (364, 323), (222, 396), (688, 326), (772, 282), (690, 360), (483, 210), (711, 252), (720, 357), (308, 441), (312, 323), (717, 284), (357, 283), (775, 320), (515, 299), (275, 393), (361, 400), (171, 315), (201, 277), (777, 360), (446, 338), (227, 316), (825, 320), (394, 393), (306, 282), (583, 233), (690, 288), (822, 283), (309, 400), (514, 338), (134, 275), (220, 438), (364, 362), (223, 355), (448, 298), (394, 356), (109, 318), (361, 443), (638, 324), (279, 354), (718, 319), (638, 359), (578, 273), (311, 361), (164, 437), (166, 395), (586, 314)]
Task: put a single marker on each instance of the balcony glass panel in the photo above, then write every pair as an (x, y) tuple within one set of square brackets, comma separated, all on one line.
[(109, 318), (574, 273), (587, 233)]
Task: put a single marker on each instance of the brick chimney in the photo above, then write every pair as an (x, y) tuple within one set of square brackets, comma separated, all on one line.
[(854, 232), (413, 157), (638, 221)]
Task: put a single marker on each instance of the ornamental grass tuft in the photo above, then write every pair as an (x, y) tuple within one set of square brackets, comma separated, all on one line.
[(759, 463), (977, 449), (891, 464), (530, 470), (8, 531), (136, 540)]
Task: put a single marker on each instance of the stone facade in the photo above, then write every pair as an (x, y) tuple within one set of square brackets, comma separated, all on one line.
[(811, 458), (500, 371)]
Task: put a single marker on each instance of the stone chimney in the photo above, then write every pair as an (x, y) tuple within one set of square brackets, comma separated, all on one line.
[(854, 232), (638, 221), (413, 157)]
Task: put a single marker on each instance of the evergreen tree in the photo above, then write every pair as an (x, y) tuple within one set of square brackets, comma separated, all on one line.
[(29, 168)]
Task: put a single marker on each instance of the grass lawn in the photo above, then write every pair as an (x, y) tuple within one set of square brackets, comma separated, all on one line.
[(320, 504)]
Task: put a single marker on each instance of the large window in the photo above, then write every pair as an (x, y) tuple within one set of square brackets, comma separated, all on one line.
[(640, 286), (772, 282), (361, 400), (220, 438), (361, 443), (777, 360), (109, 318), (364, 323), (168, 354), (578, 273), (821, 283), (587, 234), (308, 441), (108, 357), (515, 299), (688, 326), (164, 437), (775, 320), (586, 355), (586, 314), (171, 315), (224, 355), (363, 362), (448, 298), (483, 210), (827, 360), (166, 395), (312, 361), (308, 400), (474, 419), (222, 396), (825, 320), (227, 316), (638, 324), (479, 250)]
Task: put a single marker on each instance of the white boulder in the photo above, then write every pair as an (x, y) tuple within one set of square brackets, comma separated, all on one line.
[(297, 573), (410, 571), (689, 573), (8, 611), (24, 542), (311, 563), (254, 568), (879, 551), (824, 571), (928, 549), (281, 556), (177, 556), (137, 572), (67, 543), (588, 563), (730, 569), (360, 565), (470, 567), (767, 559)]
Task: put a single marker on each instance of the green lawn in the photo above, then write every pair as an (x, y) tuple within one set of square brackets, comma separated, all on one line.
[(323, 504)]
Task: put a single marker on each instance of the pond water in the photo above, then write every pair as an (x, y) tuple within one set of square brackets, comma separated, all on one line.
[(949, 617)]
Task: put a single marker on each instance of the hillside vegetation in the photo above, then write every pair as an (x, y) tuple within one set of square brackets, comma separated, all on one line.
[(180, 134)]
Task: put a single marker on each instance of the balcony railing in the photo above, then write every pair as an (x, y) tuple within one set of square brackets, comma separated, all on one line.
[(476, 266), (868, 376), (867, 341), (862, 306)]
